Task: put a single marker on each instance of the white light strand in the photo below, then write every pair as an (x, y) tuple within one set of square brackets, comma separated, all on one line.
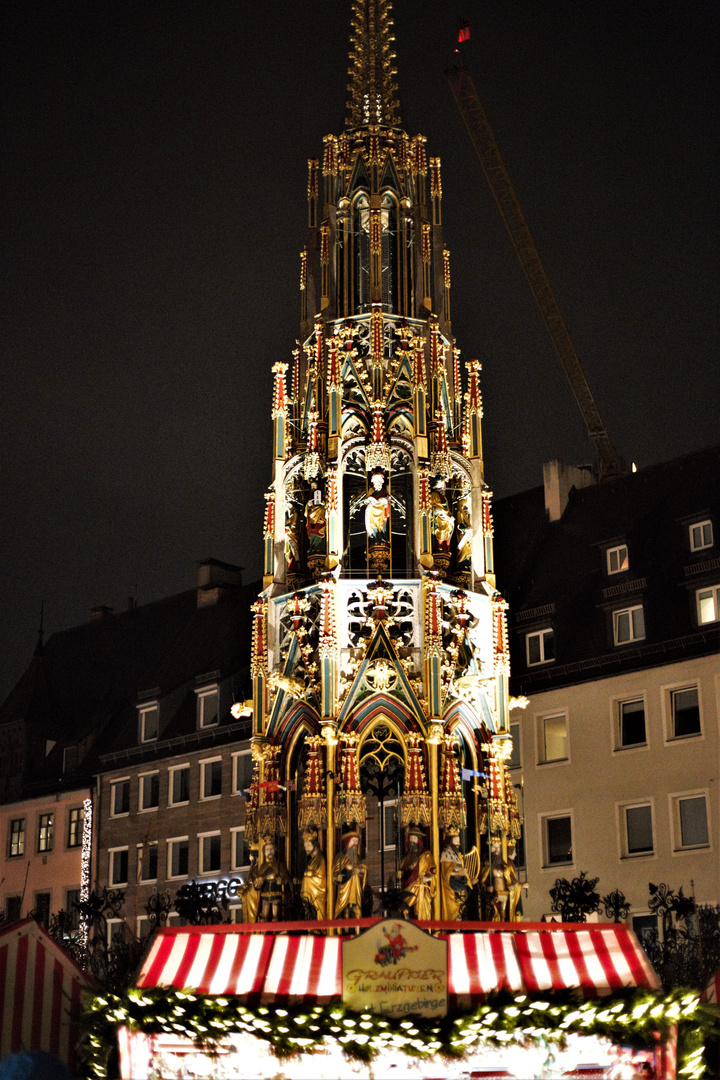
[(85, 868)]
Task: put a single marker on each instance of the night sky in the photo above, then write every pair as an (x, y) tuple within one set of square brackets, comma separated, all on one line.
[(154, 206)]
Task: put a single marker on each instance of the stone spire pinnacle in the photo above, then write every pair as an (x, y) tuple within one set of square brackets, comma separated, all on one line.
[(372, 91)]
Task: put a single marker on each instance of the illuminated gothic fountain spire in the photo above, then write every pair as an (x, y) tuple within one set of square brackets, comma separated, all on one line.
[(379, 644)]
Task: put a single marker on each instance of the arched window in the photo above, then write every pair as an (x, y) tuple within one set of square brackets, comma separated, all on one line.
[(361, 232), (389, 237)]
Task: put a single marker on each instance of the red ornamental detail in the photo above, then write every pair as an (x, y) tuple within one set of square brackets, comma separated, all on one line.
[(330, 158), (375, 232), (456, 371), (270, 513), (344, 153), (424, 484), (435, 184), (313, 440), (500, 638), (499, 820), (259, 640), (420, 160), (419, 363), (415, 802), (402, 152), (328, 636), (324, 244), (312, 808), (349, 800), (487, 515), (312, 178), (333, 365), (426, 245), (377, 334), (296, 374), (436, 354), (271, 816), (451, 804), (374, 148), (433, 628), (332, 494), (318, 344), (441, 442), (279, 398), (378, 433)]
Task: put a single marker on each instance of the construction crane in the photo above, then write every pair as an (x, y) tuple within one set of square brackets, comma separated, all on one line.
[(610, 464)]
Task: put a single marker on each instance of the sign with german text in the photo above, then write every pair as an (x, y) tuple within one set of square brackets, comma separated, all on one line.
[(395, 969)]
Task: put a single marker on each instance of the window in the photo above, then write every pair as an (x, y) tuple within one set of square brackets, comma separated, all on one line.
[(515, 759), (179, 788), (147, 861), (557, 840), (72, 898), (120, 797), (41, 908), (17, 837), (628, 625), (242, 771), (115, 932), (209, 852), (46, 832), (144, 927), (389, 836), (631, 723), (637, 830), (76, 820), (118, 866), (690, 822), (617, 559), (208, 707), (645, 928), (13, 908), (685, 712), (150, 791), (701, 535), (211, 778), (553, 738), (178, 857), (520, 849), (149, 722), (240, 854), (708, 605), (540, 647)]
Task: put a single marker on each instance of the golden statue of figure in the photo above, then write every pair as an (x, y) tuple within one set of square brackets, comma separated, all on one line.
[(418, 877), (316, 523), (269, 877), (512, 884), (442, 522), (349, 874), (454, 884), (250, 896), (313, 889), (377, 509), (463, 523)]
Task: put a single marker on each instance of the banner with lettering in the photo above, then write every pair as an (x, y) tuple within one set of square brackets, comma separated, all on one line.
[(395, 969)]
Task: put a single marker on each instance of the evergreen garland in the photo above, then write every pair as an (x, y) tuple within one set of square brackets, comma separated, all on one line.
[(628, 1017)]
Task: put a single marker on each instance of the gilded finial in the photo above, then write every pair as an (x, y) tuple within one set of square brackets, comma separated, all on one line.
[(372, 91)]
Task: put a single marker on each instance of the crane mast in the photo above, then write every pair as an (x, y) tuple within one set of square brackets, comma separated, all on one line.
[(610, 464)]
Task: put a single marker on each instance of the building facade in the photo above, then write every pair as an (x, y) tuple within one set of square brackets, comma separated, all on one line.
[(615, 633)]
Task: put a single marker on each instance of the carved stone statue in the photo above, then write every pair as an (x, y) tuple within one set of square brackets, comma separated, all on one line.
[(269, 877), (377, 509), (454, 883), (418, 877), (442, 522), (349, 874), (313, 889)]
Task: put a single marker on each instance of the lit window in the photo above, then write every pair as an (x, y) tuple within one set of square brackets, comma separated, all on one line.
[(708, 605), (242, 771), (148, 860), (685, 712), (240, 853), (150, 791), (17, 837), (211, 779), (540, 647), (178, 857), (515, 759), (701, 535), (179, 788), (118, 866), (208, 706), (628, 625), (76, 819), (631, 723), (557, 840), (617, 559), (638, 830), (690, 822), (149, 722), (553, 737), (46, 832), (120, 797), (209, 853)]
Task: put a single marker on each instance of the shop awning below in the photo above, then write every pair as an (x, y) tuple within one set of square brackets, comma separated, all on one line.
[(279, 968)]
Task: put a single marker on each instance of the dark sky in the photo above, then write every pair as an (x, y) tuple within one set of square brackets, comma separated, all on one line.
[(153, 197)]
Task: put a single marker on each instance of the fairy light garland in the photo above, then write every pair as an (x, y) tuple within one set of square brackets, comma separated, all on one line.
[(85, 857), (629, 1017)]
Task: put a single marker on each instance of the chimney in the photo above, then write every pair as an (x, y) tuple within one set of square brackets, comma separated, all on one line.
[(559, 479), (215, 578)]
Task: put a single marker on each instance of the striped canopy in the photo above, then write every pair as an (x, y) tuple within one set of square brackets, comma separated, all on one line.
[(267, 968)]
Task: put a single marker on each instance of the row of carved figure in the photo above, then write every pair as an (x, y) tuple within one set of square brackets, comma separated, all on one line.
[(265, 891)]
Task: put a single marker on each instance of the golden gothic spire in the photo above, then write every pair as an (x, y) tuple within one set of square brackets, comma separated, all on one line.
[(372, 91)]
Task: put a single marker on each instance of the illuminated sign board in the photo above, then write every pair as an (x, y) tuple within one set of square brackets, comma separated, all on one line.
[(395, 969)]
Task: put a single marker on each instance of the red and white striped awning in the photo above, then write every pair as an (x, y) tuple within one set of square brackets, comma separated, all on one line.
[(281, 968), (41, 990)]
